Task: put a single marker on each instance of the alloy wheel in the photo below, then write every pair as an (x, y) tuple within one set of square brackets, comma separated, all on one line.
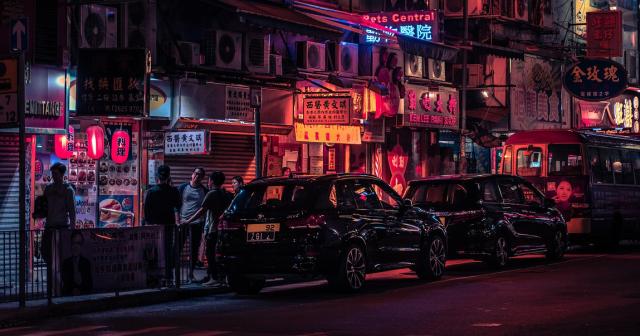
[(437, 257), (355, 265)]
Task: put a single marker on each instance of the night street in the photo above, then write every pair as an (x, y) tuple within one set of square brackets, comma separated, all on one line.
[(588, 293)]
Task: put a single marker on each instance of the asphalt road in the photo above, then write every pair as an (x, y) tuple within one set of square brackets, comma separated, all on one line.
[(588, 293)]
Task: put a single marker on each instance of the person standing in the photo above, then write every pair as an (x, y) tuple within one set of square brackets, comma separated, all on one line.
[(214, 204), (237, 183), (192, 194), (161, 205), (61, 213)]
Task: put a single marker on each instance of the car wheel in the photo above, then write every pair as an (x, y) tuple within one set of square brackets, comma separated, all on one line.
[(243, 285), (500, 254), (433, 258), (351, 272), (556, 246)]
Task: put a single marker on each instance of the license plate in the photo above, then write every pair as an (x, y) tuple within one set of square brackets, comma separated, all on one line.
[(262, 232)]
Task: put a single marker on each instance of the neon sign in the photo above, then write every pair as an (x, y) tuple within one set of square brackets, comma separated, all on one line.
[(422, 25)]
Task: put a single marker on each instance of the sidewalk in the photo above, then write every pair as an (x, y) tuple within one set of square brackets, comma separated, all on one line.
[(11, 315)]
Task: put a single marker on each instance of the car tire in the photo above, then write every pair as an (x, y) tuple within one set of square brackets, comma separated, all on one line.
[(556, 246), (245, 286), (500, 254), (433, 258), (352, 271)]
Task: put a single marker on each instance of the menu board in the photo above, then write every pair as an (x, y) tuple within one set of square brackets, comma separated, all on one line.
[(82, 175)]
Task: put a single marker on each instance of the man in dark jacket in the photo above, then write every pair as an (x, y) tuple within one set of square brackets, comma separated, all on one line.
[(214, 204), (161, 205), (192, 194)]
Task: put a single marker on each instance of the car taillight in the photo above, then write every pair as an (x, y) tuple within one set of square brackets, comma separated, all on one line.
[(310, 222), (226, 225)]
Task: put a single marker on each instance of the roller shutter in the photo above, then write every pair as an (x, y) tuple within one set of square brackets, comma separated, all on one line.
[(10, 183)]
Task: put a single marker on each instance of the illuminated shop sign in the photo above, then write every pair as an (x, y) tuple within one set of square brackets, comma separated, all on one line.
[(422, 25), (436, 108), (595, 79), (619, 114)]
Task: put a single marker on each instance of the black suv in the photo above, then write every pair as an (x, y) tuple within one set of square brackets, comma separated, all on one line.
[(492, 217), (337, 226)]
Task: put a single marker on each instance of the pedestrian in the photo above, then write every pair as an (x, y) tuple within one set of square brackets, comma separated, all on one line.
[(162, 203), (237, 183), (214, 204), (192, 194)]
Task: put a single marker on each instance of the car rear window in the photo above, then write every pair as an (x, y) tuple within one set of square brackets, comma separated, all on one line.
[(285, 198), (429, 195)]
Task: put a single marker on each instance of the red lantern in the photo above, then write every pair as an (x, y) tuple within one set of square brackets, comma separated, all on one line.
[(120, 143), (95, 142), (64, 144)]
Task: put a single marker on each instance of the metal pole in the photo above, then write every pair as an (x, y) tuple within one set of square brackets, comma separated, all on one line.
[(22, 224), (463, 93), (258, 143)]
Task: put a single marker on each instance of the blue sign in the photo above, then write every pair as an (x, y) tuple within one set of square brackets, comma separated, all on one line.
[(19, 35), (595, 79), (422, 25)]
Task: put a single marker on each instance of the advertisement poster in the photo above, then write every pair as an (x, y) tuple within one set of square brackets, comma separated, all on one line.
[(119, 179), (101, 260), (538, 100), (116, 211)]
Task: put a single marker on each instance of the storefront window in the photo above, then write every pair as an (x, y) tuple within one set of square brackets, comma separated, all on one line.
[(507, 161), (565, 160), (529, 161)]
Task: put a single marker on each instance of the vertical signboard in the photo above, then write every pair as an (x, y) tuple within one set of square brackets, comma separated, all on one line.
[(8, 92), (604, 34)]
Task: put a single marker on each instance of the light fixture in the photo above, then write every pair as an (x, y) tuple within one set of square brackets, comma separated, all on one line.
[(485, 93), (95, 142)]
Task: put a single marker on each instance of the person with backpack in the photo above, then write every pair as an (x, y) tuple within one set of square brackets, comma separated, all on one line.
[(213, 206), (193, 193)]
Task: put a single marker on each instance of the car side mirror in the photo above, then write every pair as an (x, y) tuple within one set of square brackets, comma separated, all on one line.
[(549, 203)]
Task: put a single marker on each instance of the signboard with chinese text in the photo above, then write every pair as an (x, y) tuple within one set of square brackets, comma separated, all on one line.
[(537, 98), (422, 25), (620, 113), (604, 34), (181, 143), (111, 82), (238, 103), (595, 79), (102, 260), (8, 92), (334, 134), (321, 109), (432, 108)]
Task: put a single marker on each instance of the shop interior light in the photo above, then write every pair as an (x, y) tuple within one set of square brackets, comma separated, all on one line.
[(95, 142), (485, 93)]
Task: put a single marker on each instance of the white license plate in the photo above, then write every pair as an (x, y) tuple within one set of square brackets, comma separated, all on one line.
[(262, 232)]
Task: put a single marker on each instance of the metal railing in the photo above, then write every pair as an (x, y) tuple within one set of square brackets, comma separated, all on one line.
[(42, 280)]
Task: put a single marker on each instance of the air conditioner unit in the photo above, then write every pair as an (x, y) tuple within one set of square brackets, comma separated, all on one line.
[(187, 53), (228, 50), (275, 65), (344, 58), (631, 64), (437, 70), (369, 59), (98, 26), (521, 10), (413, 66), (475, 74), (256, 53), (311, 56), (140, 26), (474, 7)]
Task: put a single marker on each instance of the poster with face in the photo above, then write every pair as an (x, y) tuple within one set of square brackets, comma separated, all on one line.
[(566, 191), (389, 74)]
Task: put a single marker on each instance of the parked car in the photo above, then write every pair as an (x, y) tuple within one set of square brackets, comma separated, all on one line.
[(492, 217), (337, 226)]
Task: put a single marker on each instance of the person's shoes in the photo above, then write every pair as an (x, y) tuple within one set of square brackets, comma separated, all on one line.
[(212, 283)]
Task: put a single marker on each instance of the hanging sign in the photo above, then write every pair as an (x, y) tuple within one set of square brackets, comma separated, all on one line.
[(328, 134), (422, 25), (604, 34), (430, 108), (326, 110), (120, 145), (111, 82), (181, 143), (595, 79)]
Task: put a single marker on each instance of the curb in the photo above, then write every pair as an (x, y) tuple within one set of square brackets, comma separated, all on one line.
[(18, 317)]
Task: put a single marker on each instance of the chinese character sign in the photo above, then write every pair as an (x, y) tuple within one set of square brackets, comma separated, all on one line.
[(328, 134), (437, 108), (111, 82), (595, 79), (604, 34), (326, 110), (238, 103), (620, 114), (191, 142), (422, 25)]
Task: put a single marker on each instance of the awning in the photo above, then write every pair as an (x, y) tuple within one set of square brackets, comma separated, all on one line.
[(217, 126), (497, 50), (280, 17), (355, 23)]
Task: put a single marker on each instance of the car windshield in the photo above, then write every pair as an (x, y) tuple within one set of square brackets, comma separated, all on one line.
[(272, 198), (529, 161), (431, 195), (565, 160)]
